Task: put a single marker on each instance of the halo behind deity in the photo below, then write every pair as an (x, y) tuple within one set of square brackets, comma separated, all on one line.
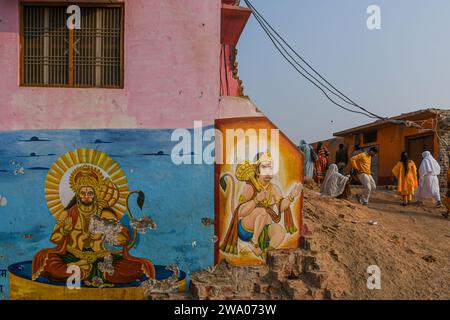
[(57, 187)]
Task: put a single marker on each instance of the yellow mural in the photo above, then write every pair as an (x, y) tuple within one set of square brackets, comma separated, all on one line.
[(260, 198), (87, 193), (89, 222)]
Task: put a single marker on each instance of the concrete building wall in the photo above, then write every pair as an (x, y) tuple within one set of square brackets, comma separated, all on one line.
[(172, 65), (171, 73), (171, 79), (391, 141)]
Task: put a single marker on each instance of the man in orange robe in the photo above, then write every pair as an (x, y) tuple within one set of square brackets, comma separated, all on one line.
[(405, 171)]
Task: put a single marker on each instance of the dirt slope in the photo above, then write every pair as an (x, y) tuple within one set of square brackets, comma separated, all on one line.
[(411, 246)]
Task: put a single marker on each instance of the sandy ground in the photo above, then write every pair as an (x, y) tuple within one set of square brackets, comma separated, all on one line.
[(410, 245)]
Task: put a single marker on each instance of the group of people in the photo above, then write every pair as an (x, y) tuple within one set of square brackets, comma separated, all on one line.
[(427, 187), (316, 161), (422, 184)]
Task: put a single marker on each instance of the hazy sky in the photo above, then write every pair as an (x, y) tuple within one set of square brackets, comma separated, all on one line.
[(402, 67)]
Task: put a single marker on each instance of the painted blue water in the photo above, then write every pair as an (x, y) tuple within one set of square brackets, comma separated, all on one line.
[(177, 197), (23, 270)]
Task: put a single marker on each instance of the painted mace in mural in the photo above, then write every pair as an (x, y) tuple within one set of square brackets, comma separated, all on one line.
[(87, 193)]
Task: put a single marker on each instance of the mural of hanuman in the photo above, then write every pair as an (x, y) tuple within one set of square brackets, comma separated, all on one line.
[(255, 220)]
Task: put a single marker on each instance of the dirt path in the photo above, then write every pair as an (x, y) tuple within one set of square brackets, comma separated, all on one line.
[(411, 246)]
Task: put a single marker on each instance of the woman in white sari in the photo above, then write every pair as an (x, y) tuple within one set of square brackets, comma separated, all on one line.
[(335, 184), (428, 179)]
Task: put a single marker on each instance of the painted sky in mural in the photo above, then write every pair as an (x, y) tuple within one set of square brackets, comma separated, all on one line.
[(144, 155)]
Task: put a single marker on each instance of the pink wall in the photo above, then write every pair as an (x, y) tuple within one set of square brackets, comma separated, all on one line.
[(172, 51)]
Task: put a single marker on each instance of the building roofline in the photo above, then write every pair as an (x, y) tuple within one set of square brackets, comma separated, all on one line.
[(403, 116)]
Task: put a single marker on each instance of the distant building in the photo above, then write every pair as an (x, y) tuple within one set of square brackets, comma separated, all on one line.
[(427, 129)]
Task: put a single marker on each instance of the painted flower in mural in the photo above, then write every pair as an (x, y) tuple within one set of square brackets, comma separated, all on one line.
[(3, 201), (97, 282)]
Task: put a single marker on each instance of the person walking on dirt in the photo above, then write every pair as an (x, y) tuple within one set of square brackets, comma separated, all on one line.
[(361, 163), (405, 172), (429, 171)]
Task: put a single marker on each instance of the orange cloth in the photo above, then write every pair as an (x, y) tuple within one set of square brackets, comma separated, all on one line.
[(362, 162), (406, 184)]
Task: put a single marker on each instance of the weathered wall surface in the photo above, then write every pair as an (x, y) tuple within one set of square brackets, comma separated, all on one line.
[(177, 197), (171, 79), (171, 73)]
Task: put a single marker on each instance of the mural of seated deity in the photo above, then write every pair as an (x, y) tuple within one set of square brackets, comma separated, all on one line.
[(87, 193)]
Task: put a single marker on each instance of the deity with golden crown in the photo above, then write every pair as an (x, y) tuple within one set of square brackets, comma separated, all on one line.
[(255, 220), (95, 199)]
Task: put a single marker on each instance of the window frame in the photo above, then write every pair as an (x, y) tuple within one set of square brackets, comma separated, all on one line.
[(368, 134), (82, 4)]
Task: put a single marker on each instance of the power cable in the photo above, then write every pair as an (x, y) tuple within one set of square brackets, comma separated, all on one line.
[(268, 29)]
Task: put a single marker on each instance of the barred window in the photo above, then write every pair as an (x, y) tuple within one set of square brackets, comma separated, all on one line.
[(53, 55)]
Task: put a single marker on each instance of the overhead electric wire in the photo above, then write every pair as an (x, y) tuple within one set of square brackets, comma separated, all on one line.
[(319, 87), (257, 14), (350, 101), (274, 40), (322, 87), (303, 68)]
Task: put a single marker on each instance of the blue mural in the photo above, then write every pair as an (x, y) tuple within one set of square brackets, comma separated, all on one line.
[(177, 196)]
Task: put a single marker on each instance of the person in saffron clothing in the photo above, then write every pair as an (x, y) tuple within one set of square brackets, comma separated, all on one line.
[(361, 163), (405, 171), (321, 164)]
